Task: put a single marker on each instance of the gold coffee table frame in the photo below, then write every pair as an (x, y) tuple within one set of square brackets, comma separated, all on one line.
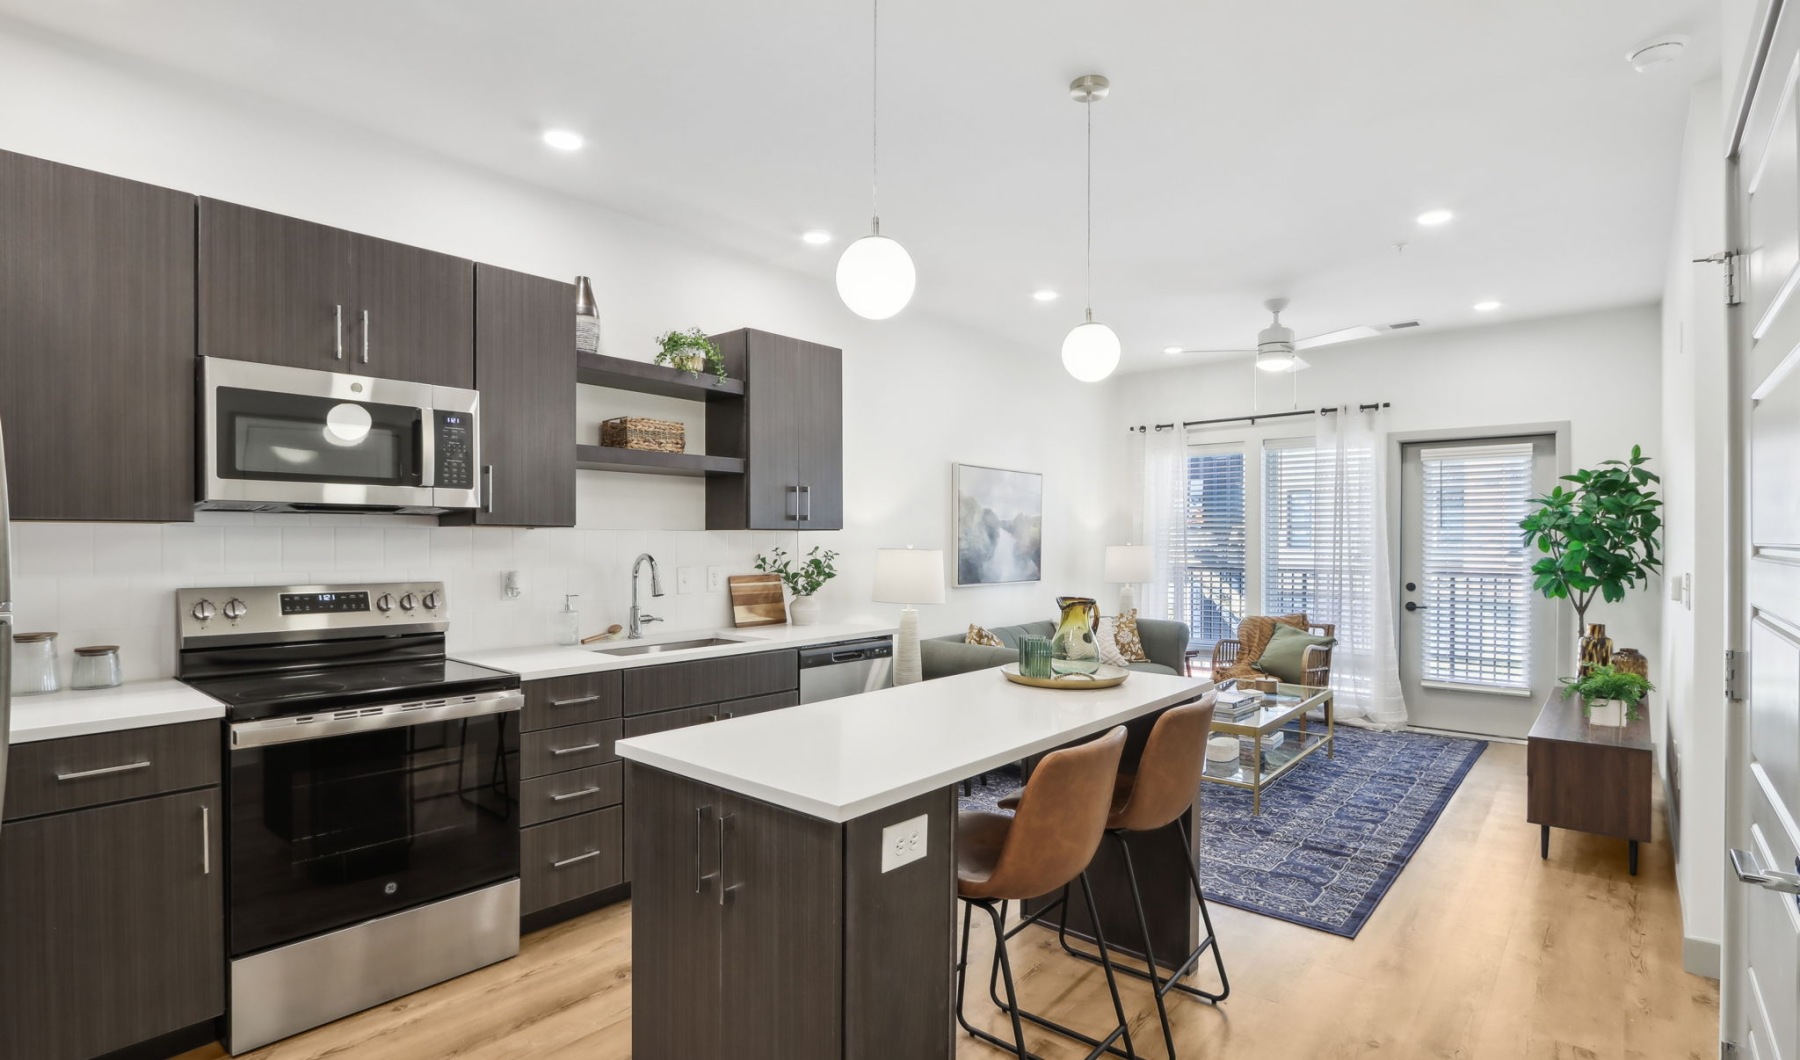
[(1273, 718)]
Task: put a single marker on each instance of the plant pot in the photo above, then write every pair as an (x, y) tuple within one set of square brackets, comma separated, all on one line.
[(691, 363), (1609, 712), (803, 611)]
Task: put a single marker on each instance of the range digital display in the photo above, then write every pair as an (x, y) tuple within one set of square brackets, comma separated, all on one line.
[(323, 603)]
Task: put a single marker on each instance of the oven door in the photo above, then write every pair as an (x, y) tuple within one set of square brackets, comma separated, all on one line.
[(338, 819)]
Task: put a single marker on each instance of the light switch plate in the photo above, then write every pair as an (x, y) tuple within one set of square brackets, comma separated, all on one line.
[(903, 843), (715, 579), (686, 580)]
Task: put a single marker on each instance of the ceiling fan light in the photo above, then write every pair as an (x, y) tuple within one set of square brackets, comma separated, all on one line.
[(1275, 362), (1090, 351), (875, 277)]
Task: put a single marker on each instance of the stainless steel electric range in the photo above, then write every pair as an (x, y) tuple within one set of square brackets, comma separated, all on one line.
[(373, 791)]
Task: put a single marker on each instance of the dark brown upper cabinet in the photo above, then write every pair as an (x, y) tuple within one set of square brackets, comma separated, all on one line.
[(525, 370), (789, 430), (96, 344), (281, 290)]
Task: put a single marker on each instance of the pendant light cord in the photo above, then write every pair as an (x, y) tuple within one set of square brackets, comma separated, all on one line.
[(875, 117), (1088, 106)]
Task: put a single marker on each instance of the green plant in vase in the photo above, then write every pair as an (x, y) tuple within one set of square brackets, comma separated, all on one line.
[(1619, 692), (803, 578), (690, 351)]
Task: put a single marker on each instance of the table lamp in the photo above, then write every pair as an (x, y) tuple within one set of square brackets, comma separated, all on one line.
[(908, 576), (1128, 565)]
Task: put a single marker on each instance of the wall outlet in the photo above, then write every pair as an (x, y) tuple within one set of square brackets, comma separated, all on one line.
[(903, 843), (687, 579), (715, 579)]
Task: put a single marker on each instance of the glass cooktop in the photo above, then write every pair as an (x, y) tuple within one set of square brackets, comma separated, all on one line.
[(269, 694)]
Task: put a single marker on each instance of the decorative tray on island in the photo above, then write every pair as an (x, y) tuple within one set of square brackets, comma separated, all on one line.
[(1105, 677)]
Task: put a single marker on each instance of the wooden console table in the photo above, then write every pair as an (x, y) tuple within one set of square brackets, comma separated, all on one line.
[(1591, 778)]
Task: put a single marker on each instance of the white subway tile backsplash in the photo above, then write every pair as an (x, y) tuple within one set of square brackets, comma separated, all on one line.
[(249, 549), (361, 548), (307, 548), (450, 547), (193, 549), (53, 549), (128, 548), (408, 547), (491, 548)]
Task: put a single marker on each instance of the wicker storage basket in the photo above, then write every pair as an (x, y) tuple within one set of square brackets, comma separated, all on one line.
[(639, 432)]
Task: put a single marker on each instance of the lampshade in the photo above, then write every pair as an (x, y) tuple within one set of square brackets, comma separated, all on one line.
[(909, 575), (875, 277), (1128, 564), (1090, 352)]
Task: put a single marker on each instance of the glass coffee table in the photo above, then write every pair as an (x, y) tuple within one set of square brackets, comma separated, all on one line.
[(1284, 711)]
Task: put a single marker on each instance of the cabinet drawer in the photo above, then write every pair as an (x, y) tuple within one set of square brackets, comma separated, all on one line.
[(568, 747), (567, 794), (570, 701), (743, 708), (563, 860), (687, 684), (663, 721), (54, 775)]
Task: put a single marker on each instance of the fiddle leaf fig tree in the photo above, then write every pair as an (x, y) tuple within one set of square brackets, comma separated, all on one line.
[(1598, 536)]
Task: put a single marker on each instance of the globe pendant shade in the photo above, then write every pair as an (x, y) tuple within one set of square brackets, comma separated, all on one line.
[(875, 277), (1090, 352)]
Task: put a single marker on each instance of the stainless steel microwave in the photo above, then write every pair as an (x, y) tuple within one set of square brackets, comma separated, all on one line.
[(280, 439)]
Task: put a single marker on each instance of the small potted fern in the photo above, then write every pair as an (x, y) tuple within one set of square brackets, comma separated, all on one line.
[(1609, 695), (690, 351)]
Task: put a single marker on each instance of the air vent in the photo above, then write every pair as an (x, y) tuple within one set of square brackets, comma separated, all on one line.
[(1403, 324)]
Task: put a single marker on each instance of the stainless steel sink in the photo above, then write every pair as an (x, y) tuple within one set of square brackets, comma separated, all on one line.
[(668, 645)]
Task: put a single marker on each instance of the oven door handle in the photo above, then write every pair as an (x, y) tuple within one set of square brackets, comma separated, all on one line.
[(427, 447), (247, 734)]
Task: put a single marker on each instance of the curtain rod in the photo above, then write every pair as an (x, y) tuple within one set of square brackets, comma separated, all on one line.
[(1253, 417)]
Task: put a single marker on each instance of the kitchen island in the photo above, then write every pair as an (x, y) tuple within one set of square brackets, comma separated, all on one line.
[(794, 872)]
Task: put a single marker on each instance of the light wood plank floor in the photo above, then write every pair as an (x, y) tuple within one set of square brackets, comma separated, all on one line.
[(1480, 950)]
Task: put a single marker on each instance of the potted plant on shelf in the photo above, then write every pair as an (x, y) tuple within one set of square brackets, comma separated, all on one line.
[(803, 579), (1598, 539), (690, 351), (1609, 695)]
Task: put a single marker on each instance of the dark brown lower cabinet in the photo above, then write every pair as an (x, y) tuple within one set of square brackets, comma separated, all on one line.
[(111, 925)]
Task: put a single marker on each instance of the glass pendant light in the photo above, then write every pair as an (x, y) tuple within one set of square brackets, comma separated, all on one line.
[(1090, 351), (875, 276)]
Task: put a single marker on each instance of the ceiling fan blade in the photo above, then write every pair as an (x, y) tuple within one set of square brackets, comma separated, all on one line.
[(1250, 350), (1329, 338)]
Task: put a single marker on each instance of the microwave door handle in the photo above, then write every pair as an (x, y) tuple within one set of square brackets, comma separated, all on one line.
[(427, 447)]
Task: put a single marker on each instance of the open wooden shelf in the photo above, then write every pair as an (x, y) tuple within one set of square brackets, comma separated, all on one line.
[(597, 369), (645, 462)]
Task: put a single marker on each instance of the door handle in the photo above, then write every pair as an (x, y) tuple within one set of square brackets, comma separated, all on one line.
[(573, 702), (806, 495), (340, 332), (1410, 606), (724, 826), (794, 492), (487, 488), (128, 767), (566, 862), (583, 793), (365, 336), (1750, 869), (560, 751), (205, 841)]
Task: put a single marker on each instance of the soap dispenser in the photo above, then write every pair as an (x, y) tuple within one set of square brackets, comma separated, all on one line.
[(568, 622)]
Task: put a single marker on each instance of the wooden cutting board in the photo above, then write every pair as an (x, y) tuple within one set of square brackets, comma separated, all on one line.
[(756, 600)]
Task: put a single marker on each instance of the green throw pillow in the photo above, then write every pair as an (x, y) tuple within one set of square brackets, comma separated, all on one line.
[(1283, 658)]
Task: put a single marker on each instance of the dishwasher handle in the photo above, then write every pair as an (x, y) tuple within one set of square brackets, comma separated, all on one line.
[(846, 652)]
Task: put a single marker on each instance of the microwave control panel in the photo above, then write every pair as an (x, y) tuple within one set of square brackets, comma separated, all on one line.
[(455, 451)]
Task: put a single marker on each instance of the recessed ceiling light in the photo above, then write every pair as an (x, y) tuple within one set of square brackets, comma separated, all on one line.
[(1171, 349), (1432, 218), (817, 237), (1043, 294), (1486, 307), (564, 139)]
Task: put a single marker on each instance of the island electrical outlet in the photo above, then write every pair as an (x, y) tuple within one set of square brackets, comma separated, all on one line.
[(903, 843)]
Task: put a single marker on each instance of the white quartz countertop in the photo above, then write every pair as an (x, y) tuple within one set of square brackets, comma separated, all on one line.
[(842, 758), (133, 705), (550, 661)]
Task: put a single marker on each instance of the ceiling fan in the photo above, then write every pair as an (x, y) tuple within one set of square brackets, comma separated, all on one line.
[(1277, 351)]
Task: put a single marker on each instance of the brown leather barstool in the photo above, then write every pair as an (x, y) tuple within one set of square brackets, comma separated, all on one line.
[(1041, 849)]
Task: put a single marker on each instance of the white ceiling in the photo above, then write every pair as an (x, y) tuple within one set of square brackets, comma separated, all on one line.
[(1248, 149)]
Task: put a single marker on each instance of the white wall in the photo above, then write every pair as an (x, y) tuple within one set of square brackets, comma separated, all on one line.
[(919, 393), (1695, 408)]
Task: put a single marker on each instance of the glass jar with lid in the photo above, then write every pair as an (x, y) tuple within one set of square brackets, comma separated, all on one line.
[(96, 666), (35, 666)]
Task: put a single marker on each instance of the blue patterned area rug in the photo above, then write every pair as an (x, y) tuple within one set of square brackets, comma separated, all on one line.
[(1333, 834)]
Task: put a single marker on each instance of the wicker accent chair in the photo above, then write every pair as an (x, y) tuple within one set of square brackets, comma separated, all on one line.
[(1235, 659)]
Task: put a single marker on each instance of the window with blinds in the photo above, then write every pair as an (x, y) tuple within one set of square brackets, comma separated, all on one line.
[(1210, 584), (1476, 586), (1288, 522)]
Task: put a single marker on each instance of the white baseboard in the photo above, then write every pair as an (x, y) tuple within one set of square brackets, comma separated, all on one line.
[(1700, 956)]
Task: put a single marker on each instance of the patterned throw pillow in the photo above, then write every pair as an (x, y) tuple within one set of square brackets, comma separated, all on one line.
[(978, 635), (1126, 633), (1107, 640)]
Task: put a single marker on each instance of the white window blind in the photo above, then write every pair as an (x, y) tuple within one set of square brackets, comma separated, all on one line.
[(1477, 567), (1209, 586), (1288, 528)]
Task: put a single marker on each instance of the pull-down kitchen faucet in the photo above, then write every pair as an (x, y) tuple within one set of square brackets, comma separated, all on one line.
[(638, 617)]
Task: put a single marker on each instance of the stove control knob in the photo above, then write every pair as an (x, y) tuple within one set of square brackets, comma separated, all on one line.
[(235, 609), (431, 601), (384, 603), (408, 602), (204, 610)]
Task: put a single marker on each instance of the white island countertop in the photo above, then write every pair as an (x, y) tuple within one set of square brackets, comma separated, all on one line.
[(842, 758), (133, 705), (536, 663)]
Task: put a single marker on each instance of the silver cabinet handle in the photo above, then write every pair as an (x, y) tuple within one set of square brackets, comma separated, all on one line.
[(487, 488), (365, 337), (806, 495), (566, 862), (340, 332), (560, 751), (700, 876), (724, 823), (794, 491), (573, 702), (129, 767), (1750, 869), (583, 793), (205, 841)]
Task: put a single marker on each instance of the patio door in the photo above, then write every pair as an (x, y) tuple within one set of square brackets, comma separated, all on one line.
[(1477, 645)]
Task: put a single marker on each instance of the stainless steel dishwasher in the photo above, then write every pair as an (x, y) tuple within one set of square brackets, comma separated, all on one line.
[(846, 668)]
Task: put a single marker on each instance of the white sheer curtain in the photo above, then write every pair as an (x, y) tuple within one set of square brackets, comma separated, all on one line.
[(1163, 464), (1352, 587)]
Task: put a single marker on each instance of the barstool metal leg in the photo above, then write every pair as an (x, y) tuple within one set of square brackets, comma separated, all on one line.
[(1004, 967)]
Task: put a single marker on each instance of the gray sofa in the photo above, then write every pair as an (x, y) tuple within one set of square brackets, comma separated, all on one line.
[(1164, 642)]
